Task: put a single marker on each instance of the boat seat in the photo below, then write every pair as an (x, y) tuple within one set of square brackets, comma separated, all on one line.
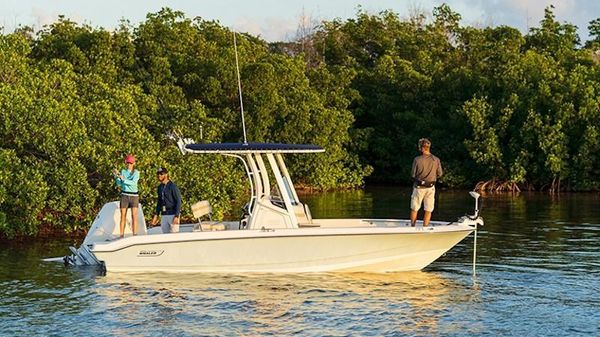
[(203, 208), (213, 227), (200, 209)]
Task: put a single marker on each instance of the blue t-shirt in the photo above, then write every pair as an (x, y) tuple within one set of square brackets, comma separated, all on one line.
[(129, 183)]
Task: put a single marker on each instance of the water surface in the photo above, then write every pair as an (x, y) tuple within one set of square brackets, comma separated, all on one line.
[(538, 274)]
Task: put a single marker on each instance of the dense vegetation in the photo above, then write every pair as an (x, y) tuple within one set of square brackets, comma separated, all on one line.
[(507, 109)]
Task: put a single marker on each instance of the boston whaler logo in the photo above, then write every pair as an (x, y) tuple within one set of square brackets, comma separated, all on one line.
[(150, 253)]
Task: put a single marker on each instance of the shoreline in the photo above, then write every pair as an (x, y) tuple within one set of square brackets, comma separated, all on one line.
[(48, 231)]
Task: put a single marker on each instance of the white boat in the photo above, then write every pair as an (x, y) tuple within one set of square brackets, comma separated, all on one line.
[(276, 234)]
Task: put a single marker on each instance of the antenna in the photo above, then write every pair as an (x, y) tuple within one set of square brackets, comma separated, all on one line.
[(237, 67)]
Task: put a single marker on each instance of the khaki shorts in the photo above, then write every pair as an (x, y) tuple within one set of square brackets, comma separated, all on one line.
[(426, 196)]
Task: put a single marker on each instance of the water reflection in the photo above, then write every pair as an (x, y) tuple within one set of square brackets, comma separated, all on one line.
[(269, 304)]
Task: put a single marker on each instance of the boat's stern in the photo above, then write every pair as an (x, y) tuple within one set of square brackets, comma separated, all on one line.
[(104, 228)]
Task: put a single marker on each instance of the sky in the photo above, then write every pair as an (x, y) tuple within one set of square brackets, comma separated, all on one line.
[(278, 20)]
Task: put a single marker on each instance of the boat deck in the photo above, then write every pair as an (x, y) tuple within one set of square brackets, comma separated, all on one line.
[(209, 226)]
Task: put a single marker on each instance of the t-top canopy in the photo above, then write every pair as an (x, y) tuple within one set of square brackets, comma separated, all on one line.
[(239, 148)]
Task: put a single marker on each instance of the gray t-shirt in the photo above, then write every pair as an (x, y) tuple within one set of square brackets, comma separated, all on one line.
[(427, 168)]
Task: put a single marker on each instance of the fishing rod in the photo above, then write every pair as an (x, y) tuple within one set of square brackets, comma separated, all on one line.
[(237, 67)]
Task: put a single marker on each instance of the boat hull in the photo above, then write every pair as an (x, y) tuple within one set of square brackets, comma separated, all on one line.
[(283, 251)]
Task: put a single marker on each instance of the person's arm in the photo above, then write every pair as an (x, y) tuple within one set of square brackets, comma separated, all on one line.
[(117, 178), (154, 220), (439, 172), (159, 202), (134, 178), (414, 169), (176, 199), (118, 182)]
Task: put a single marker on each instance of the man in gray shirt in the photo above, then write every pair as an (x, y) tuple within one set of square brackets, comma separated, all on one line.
[(426, 170)]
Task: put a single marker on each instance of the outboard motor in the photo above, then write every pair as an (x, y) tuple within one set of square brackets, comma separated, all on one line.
[(104, 228)]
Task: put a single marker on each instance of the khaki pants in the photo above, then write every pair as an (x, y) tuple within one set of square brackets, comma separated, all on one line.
[(166, 224), (425, 196)]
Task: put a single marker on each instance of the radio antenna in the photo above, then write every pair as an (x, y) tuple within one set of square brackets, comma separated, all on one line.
[(237, 67)]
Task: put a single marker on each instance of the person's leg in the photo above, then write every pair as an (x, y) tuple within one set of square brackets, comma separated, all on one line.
[(134, 220), (428, 205), (415, 204), (426, 218), (166, 223), (123, 208), (134, 202), (413, 217), (122, 223)]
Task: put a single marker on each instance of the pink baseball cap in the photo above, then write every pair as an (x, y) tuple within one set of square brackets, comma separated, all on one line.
[(129, 159)]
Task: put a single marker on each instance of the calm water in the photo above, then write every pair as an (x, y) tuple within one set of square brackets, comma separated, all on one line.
[(538, 275)]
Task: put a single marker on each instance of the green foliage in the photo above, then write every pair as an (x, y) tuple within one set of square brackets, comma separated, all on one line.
[(497, 105), (74, 100), (484, 148), (22, 194)]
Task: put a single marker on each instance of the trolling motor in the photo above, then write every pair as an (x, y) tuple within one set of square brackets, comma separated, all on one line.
[(475, 216), (475, 196), (474, 221)]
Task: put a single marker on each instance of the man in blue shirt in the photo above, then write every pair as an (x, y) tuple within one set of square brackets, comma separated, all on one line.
[(168, 205)]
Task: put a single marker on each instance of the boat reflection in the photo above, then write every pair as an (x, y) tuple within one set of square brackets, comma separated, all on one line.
[(406, 303)]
